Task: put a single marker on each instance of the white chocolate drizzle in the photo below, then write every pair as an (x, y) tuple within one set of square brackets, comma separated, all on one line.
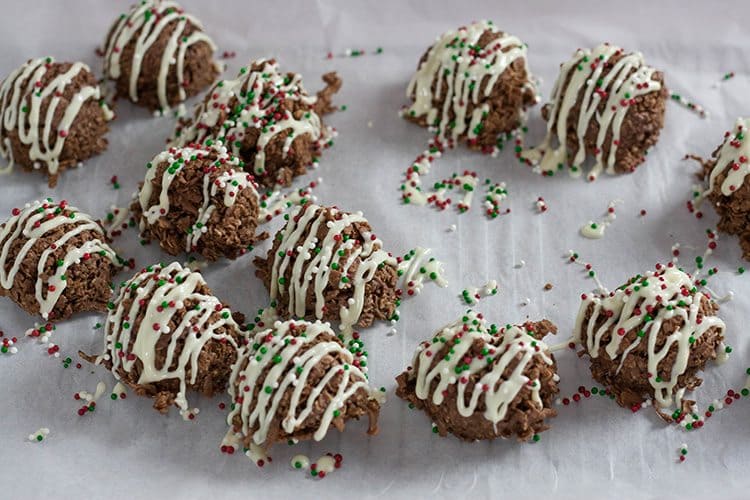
[(472, 295), (116, 221), (503, 347), (278, 362), (89, 397), (300, 462), (626, 79), (417, 266), (143, 25), (32, 223), (633, 308), (21, 97), (466, 73), (733, 159), (595, 230), (194, 328)]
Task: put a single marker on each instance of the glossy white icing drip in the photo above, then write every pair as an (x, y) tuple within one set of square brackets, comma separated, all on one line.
[(196, 327), (418, 265), (144, 25), (627, 79), (473, 295), (255, 93), (276, 365), (21, 110), (298, 251), (230, 182), (629, 306), (33, 222), (733, 159), (595, 230), (39, 435), (504, 347), (454, 62), (92, 397)]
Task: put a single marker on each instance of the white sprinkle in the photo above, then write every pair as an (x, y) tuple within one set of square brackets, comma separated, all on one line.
[(42, 432)]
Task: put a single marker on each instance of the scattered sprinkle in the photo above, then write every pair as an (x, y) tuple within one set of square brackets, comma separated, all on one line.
[(39, 435), (687, 104), (573, 258), (89, 399), (541, 205), (682, 453), (276, 202), (355, 53), (473, 295)]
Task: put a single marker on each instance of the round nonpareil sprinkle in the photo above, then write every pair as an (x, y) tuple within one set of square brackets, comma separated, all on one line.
[(541, 205), (682, 452), (39, 435)]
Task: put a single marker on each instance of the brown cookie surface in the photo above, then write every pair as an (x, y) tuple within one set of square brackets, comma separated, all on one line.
[(53, 117), (479, 382), (649, 338), (472, 86), (199, 199), (607, 105), (296, 381), (327, 264), (55, 261), (726, 186), (158, 55), (166, 333)]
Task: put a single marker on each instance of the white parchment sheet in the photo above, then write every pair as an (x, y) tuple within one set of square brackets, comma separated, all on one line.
[(594, 450)]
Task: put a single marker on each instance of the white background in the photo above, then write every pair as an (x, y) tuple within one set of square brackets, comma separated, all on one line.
[(594, 449)]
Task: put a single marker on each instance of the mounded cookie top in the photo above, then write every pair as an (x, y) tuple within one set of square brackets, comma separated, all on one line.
[(51, 116), (731, 161), (159, 55), (606, 103), (327, 264), (55, 260), (482, 382), (166, 333), (265, 117), (296, 380), (472, 84), (726, 186), (199, 199), (649, 337)]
